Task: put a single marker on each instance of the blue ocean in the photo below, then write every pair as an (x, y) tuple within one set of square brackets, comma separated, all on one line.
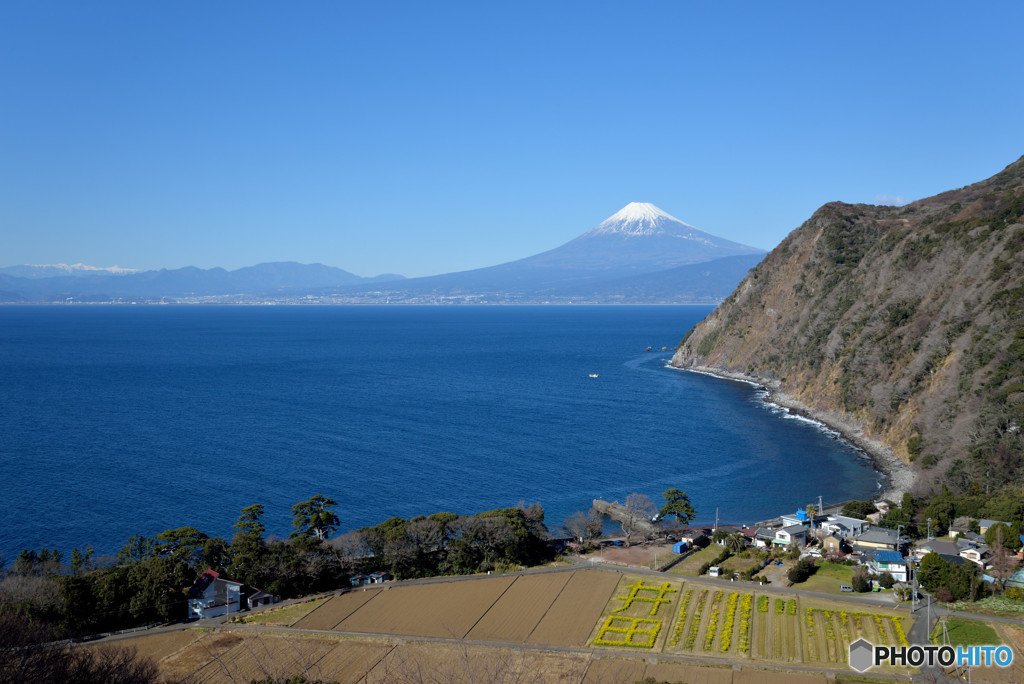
[(117, 420)]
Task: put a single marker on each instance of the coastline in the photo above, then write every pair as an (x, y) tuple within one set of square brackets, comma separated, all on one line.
[(898, 476)]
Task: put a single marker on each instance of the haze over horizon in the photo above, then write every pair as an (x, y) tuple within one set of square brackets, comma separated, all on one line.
[(422, 140)]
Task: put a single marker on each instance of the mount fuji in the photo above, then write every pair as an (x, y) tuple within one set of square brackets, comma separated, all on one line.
[(639, 254), (639, 238)]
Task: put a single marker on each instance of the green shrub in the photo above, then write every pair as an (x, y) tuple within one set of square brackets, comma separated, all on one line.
[(1014, 593), (860, 582)]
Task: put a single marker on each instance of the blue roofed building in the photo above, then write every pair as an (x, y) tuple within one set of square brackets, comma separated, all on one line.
[(888, 561)]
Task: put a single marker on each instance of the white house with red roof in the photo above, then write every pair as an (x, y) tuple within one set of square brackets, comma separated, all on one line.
[(213, 595)]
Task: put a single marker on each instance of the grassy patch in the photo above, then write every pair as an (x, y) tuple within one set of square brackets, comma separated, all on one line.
[(691, 566), (965, 632), (284, 616), (828, 578), (739, 564), (662, 559), (992, 605)]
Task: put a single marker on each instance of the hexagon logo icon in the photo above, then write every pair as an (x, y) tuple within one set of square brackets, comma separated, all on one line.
[(861, 655)]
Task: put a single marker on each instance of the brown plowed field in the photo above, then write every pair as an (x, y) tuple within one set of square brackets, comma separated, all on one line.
[(337, 609), (763, 677), (691, 674), (155, 646), (206, 648), (520, 608), (606, 670), (574, 614), (349, 662), (268, 656), (465, 664), (446, 609)]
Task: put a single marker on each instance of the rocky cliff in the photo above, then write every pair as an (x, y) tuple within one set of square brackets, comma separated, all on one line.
[(906, 322)]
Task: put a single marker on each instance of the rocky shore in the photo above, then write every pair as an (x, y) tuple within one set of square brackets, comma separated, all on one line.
[(899, 476)]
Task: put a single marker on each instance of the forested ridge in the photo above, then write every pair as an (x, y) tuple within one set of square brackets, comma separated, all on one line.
[(148, 580), (906, 321)]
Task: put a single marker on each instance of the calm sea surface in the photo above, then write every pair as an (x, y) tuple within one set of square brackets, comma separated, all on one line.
[(124, 420)]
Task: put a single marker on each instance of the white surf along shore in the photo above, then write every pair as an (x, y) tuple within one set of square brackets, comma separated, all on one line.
[(898, 476)]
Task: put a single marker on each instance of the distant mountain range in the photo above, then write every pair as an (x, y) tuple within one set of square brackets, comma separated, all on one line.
[(189, 284), (639, 255)]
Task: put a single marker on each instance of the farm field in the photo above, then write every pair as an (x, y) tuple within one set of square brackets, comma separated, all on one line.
[(284, 616), (571, 617), (520, 609), (612, 624), (445, 609), (329, 614), (738, 622), (557, 609), (240, 656), (637, 613)]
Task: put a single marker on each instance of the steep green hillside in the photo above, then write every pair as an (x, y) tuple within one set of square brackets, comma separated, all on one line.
[(907, 321)]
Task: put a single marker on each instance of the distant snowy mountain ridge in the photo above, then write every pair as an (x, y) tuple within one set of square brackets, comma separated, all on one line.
[(53, 270)]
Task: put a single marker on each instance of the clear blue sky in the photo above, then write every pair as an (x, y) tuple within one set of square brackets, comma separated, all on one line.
[(427, 137)]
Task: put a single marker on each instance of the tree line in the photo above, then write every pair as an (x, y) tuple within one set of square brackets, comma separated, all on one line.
[(148, 580)]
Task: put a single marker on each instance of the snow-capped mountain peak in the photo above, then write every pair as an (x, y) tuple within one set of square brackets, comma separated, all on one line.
[(638, 218)]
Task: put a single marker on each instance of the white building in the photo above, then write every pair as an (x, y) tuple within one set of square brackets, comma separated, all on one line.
[(213, 595), (792, 535)]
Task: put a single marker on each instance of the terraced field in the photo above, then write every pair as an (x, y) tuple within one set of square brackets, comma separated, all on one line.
[(738, 625), (557, 609), (215, 658), (622, 620)]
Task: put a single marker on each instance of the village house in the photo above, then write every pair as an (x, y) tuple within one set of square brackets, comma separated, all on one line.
[(943, 548), (213, 595), (791, 535), (844, 527), (976, 553), (878, 538), (959, 526), (885, 561), (261, 598), (759, 537), (798, 518), (984, 525), (696, 537), (832, 545)]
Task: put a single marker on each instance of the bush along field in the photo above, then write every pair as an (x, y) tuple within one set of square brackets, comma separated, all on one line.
[(670, 617)]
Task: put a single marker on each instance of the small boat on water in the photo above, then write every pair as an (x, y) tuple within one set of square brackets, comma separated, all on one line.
[(593, 375)]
